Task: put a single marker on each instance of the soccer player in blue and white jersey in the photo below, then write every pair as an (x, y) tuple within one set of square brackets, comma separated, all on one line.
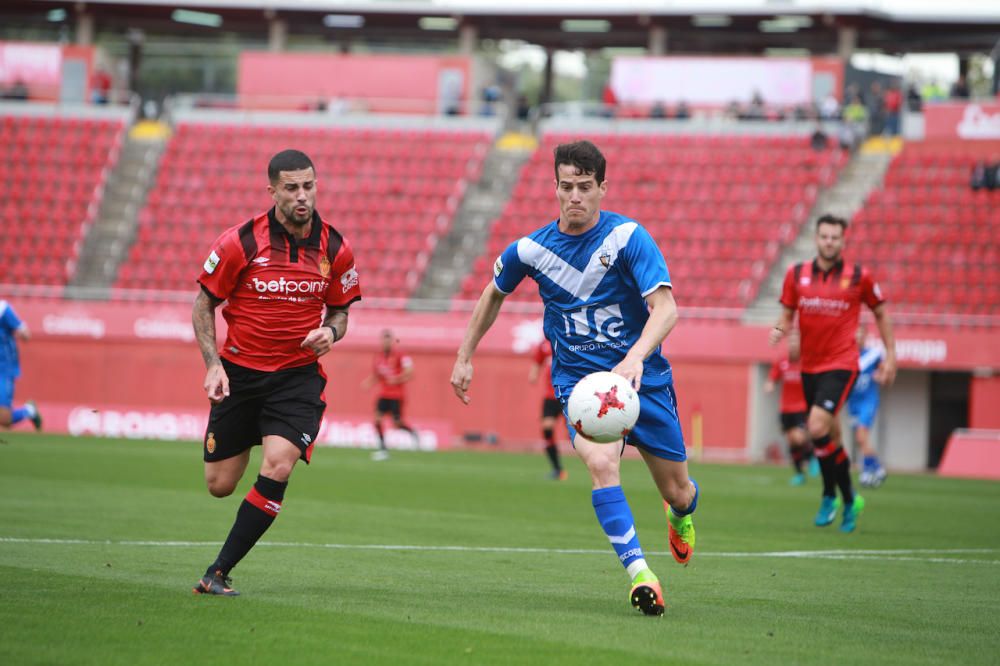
[(12, 329), (608, 306), (862, 405)]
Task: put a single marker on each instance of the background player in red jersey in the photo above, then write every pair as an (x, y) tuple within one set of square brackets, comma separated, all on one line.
[(277, 273), (391, 369), (551, 407), (793, 408), (827, 294)]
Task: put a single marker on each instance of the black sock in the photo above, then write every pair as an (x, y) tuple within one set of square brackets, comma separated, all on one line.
[(550, 448), (553, 453), (255, 515), (413, 433), (798, 455), (381, 436), (842, 466), (827, 465)]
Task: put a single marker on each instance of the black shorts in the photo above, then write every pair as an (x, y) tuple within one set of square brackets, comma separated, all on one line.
[(828, 390), (392, 406), (551, 408), (791, 420), (288, 403)]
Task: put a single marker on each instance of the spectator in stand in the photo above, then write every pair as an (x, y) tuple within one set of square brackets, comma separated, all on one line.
[(683, 111), (855, 124), (610, 101), (854, 90), (876, 109), (829, 108), (960, 89), (819, 141), (657, 111), (18, 91), (523, 108), (933, 92), (490, 100), (733, 111), (914, 102), (100, 86), (985, 176), (757, 109), (893, 104)]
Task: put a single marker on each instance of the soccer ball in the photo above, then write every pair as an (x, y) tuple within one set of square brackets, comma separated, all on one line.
[(603, 407)]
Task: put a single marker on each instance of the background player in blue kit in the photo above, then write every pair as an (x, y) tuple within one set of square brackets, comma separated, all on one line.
[(608, 306), (11, 329), (862, 406)]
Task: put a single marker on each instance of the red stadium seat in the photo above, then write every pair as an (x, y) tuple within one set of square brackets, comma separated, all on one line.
[(388, 221)]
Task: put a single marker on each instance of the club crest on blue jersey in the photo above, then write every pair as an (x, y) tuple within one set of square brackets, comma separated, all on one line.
[(594, 287)]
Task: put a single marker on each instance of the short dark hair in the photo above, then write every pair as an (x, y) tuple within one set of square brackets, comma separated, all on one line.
[(288, 160), (832, 219), (583, 155)]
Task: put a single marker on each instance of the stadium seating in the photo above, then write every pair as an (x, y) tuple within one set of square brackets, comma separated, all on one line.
[(392, 193), (930, 238), (54, 169), (721, 208)]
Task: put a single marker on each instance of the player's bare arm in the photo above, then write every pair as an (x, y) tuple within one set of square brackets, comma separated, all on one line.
[(334, 327), (203, 319), (533, 373), (886, 372), (23, 333), (782, 326), (662, 319), (403, 377), (483, 316)]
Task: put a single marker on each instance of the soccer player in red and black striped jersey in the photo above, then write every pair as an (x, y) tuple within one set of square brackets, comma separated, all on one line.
[(827, 294), (793, 408), (551, 407), (391, 370), (288, 279)]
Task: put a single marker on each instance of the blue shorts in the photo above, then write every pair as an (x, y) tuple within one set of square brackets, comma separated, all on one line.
[(862, 413), (6, 391), (658, 429)]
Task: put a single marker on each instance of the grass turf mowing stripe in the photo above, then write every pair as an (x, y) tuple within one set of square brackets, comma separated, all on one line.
[(885, 555)]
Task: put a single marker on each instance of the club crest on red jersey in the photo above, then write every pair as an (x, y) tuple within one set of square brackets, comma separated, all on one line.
[(324, 265)]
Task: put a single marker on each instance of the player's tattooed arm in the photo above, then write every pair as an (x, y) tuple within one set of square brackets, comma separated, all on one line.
[(216, 383), (334, 327), (203, 320), (336, 321)]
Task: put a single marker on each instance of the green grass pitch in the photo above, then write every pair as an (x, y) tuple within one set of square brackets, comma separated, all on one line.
[(474, 558)]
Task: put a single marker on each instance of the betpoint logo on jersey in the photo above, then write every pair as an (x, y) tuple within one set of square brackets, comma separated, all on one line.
[(602, 326), (283, 286), (824, 306)]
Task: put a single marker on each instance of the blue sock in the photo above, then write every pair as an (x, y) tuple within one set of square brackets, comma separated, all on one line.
[(870, 462), (615, 516), (691, 507), (19, 414)]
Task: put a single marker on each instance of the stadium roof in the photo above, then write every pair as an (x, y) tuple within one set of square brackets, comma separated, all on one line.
[(705, 26)]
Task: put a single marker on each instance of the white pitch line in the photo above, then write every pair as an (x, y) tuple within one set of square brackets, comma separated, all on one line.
[(900, 555)]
